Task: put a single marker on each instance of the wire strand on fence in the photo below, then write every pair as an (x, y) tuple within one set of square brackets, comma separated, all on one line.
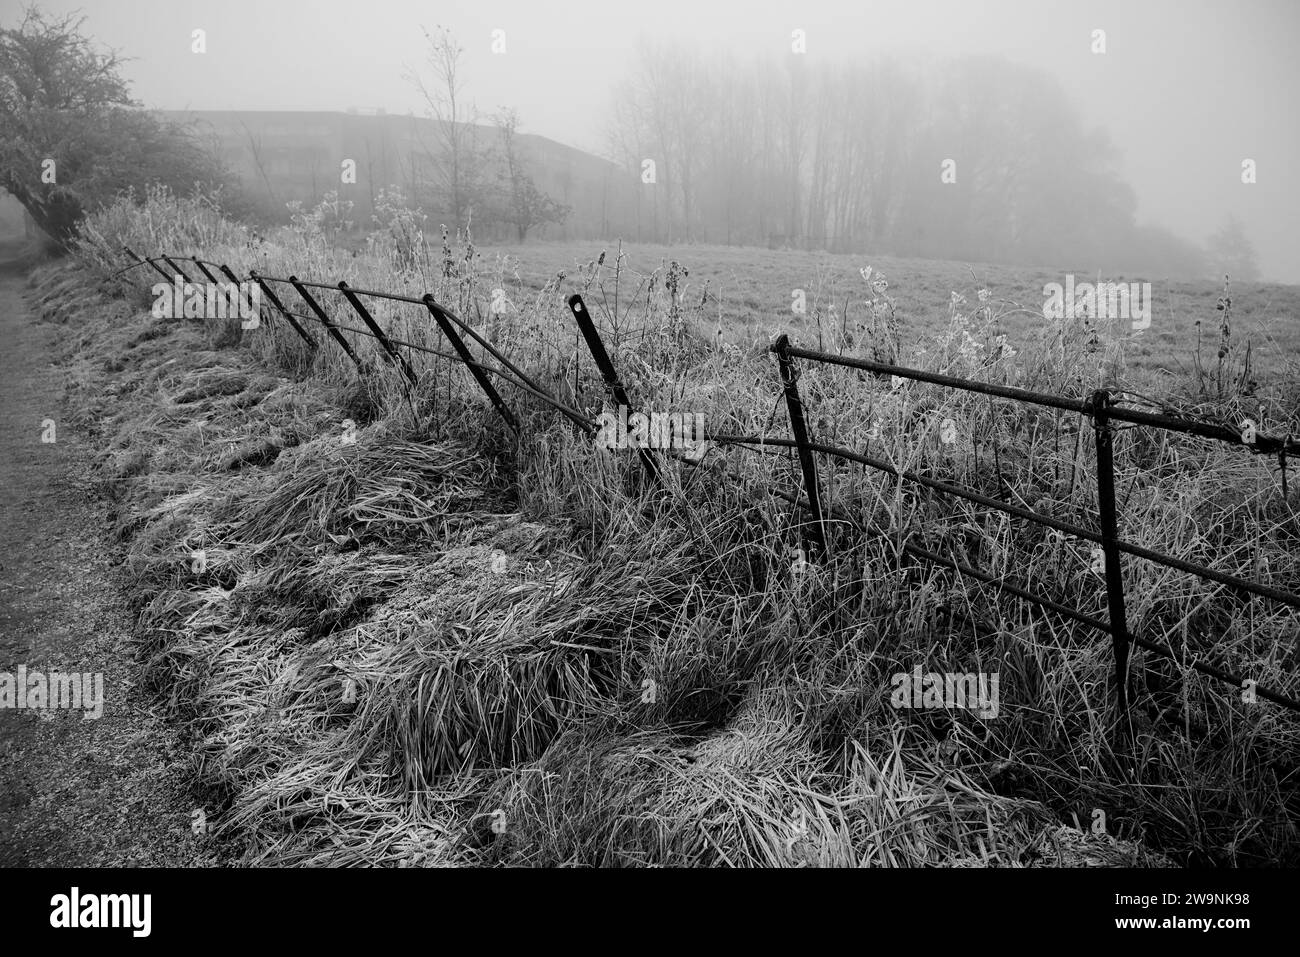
[(577, 417), (1100, 409), (946, 488), (1168, 421)]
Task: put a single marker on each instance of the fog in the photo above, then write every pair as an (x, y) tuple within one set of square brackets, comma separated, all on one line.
[(1185, 90)]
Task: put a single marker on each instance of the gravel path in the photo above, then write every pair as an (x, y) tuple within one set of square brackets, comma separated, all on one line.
[(73, 792)]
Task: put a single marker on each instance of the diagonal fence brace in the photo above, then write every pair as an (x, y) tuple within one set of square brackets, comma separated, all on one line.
[(457, 343), (337, 336), (607, 372), (138, 258), (229, 273), (499, 356), (177, 269), (204, 269), (390, 351), (275, 301), (232, 303)]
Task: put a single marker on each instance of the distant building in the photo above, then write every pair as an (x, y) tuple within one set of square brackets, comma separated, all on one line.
[(281, 156)]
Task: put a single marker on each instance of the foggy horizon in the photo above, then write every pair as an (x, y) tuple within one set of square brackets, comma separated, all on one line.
[(1185, 90)]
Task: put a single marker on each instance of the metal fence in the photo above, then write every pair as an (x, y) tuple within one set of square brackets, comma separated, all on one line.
[(1103, 412), (1100, 407)]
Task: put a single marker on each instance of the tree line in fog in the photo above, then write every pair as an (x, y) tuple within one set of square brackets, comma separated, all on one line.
[(976, 159)]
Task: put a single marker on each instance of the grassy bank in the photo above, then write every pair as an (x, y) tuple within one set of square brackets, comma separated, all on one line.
[(414, 640)]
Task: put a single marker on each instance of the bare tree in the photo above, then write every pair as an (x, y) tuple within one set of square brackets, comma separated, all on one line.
[(525, 205), (456, 158)]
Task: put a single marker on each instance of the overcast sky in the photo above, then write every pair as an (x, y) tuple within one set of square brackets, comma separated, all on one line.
[(1187, 88)]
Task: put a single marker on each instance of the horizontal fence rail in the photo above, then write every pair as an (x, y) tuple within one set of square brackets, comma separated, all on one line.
[(1169, 422), (1098, 406), (514, 375)]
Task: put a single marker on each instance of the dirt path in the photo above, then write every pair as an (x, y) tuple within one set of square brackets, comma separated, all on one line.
[(73, 791)]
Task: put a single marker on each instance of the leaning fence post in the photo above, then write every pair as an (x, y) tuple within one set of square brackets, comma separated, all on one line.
[(162, 272), (275, 301), (226, 271), (325, 321), (207, 274), (390, 351), (471, 363), (451, 318), (1098, 404), (177, 269), (607, 372), (799, 427)]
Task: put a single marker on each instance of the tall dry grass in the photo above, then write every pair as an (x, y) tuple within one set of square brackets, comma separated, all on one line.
[(437, 645)]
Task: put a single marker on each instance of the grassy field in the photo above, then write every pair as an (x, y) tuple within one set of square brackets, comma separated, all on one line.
[(749, 295), (415, 640)]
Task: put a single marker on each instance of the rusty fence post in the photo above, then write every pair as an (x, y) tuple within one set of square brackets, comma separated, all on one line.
[(229, 274), (204, 269), (442, 314), (608, 372), (390, 351), (177, 269), (1099, 403), (472, 364), (162, 272), (275, 301), (799, 427), (337, 336)]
